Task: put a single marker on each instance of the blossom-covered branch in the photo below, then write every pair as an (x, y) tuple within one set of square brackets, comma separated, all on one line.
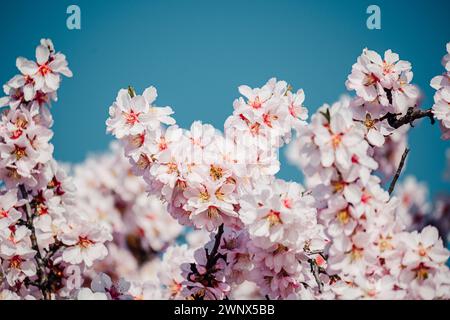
[(198, 213), (411, 115), (42, 236)]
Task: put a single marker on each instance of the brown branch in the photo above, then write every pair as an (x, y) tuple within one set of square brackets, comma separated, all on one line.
[(315, 270), (42, 282), (213, 256), (399, 171), (211, 260), (411, 115)]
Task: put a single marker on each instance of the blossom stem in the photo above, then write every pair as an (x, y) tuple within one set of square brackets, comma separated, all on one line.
[(399, 171), (42, 282), (411, 115), (212, 257), (315, 271)]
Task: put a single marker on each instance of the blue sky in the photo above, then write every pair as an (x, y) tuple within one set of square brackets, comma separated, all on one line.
[(198, 52)]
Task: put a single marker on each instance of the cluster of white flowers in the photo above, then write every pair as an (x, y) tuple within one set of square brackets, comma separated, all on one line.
[(41, 231), (345, 238), (211, 180), (200, 172), (383, 81), (140, 224), (171, 213), (441, 107), (286, 240), (370, 250)]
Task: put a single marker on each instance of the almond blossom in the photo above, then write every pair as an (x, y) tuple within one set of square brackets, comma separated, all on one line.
[(383, 80), (198, 213), (441, 107)]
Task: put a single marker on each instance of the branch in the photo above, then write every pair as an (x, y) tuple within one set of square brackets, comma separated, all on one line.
[(315, 270), (42, 282), (212, 257), (411, 115), (399, 171)]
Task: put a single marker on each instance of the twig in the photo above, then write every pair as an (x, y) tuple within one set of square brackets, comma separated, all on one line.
[(315, 270), (399, 171), (42, 282), (212, 257), (411, 115), (211, 260)]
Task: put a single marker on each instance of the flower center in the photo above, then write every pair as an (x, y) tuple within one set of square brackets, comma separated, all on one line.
[(215, 172), (421, 272), (131, 117), (213, 212), (336, 140), (343, 216), (387, 67), (422, 251), (16, 134), (3, 213), (20, 152), (356, 253), (84, 242), (41, 209), (143, 162), (172, 168), (385, 244), (365, 198), (368, 122), (44, 69), (256, 104), (254, 128), (162, 144), (338, 186), (287, 203), (137, 140), (273, 217), (267, 117), (174, 288), (15, 262), (371, 79), (219, 194), (204, 196), (280, 249)]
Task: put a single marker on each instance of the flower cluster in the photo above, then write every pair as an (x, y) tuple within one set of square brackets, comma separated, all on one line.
[(209, 180), (286, 244), (200, 172), (383, 81), (140, 224), (172, 213), (44, 239), (370, 252), (441, 107)]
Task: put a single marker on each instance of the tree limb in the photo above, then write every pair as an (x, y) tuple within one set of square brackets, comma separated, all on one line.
[(399, 170), (42, 282), (212, 257), (411, 115)]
